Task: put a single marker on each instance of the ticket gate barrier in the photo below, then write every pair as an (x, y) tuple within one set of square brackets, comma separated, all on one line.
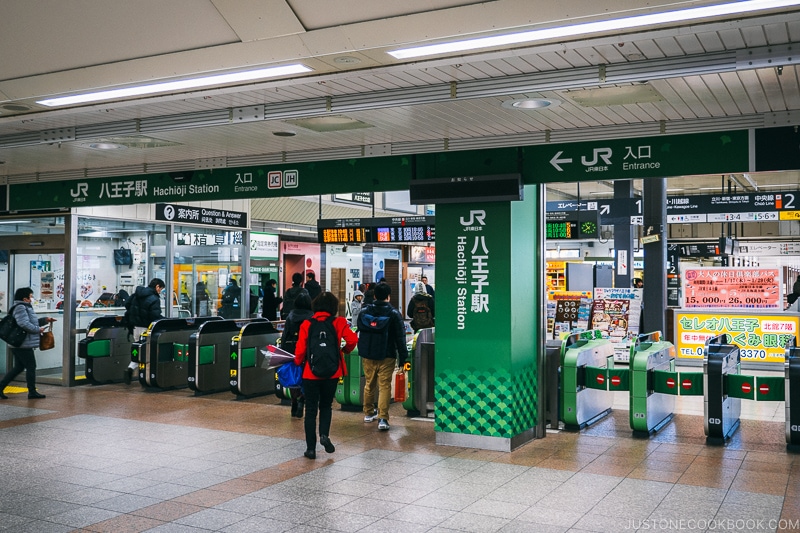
[(420, 374), (552, 381), (162, 351), (585, 360), (350, 390), (247, 376), (106, 350), (650, 410), (792, 395), (721, 360), (210, 355)]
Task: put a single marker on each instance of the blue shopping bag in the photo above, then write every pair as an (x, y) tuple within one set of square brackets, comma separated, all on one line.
[(290, 375)]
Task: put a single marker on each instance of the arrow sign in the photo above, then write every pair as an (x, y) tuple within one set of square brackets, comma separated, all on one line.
[(233, 356), (556, 161), (605, 209)]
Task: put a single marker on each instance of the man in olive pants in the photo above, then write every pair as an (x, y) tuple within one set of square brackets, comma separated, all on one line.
[(381, 345)]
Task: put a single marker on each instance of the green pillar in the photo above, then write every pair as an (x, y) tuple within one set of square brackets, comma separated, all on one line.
[(487, 323)]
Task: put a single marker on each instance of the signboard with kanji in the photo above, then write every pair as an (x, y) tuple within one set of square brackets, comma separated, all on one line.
[(760, 338), (732, 288)]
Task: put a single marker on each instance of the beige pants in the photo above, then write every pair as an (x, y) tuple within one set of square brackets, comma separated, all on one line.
[(378, 378)]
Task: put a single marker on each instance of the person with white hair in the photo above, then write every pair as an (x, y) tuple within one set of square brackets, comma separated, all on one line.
[(421, 308), (355, 307)]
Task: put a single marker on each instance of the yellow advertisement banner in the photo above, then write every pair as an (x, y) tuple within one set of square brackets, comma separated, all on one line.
[(761, 339), (789, 215)]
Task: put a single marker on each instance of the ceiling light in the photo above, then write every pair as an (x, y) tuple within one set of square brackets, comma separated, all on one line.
[(615, 25), (284, 133), (175, 86), (530, 103), (328, 123)]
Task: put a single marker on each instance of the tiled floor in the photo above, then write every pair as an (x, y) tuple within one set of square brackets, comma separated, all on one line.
[(119, 459)]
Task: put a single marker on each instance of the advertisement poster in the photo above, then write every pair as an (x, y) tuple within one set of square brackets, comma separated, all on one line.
[(567, 312), (616, 313), (761, 339), (732, 288), (47, 287)]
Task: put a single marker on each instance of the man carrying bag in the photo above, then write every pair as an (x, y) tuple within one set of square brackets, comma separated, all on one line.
[(382, 346)]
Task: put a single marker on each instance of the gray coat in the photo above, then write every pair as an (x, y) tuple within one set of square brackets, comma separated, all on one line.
[(27, 320)]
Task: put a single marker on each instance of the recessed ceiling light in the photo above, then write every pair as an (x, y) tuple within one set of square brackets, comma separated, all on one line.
[(587, 28), (120, 142), (329, 123), (347, 60), (284, 133), (174, 86), (530, 103)]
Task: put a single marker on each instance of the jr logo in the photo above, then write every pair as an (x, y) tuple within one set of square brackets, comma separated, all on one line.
[(81, 190), (598, 153), (475, 216)]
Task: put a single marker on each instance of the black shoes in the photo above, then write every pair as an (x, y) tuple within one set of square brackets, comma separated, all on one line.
[(301, 405), (311, 454), (3, 396), (327, 444), (35, 395), (127, 377)]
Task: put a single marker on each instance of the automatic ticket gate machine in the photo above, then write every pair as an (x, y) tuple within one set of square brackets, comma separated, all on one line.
[(721, 411), (650, 410), (350, 389), (162, 351), (792, 395), (106, 350), (246, 373), (420, 397), (210, 355), (580, 405)]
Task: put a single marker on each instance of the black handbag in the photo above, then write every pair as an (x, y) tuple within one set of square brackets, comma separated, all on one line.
[(123, 256), (10, 331)]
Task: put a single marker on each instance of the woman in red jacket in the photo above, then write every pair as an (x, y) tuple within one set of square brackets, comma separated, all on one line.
[(319, 392)]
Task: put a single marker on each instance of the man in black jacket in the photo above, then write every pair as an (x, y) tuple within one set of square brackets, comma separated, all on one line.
[(142, 309), (380, 352), (312, 285)]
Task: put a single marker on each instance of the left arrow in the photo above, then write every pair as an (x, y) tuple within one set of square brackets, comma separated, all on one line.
[(556, 161)]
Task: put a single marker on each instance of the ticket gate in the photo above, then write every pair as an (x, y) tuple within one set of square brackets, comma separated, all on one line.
[(721, 410), (350, 390), (792, 395), (247, 376), (106, 350), (420, 375), (650, 410), (210, 355), (162, 351), (581, 405)]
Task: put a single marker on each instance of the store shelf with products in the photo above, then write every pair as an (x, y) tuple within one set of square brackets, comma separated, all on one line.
[(557, 275)]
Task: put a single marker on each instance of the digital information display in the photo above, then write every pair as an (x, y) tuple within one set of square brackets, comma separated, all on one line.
[(405, 234), (342, 235), (565, 229)]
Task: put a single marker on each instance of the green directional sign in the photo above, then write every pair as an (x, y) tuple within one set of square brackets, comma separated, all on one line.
[(391, 173), (645, 157)]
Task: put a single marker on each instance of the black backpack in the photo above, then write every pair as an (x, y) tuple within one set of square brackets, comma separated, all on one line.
[(422, 317), (323, 348), (373, 333)]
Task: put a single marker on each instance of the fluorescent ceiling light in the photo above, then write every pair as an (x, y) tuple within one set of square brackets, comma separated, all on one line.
[(681, 15), (174, 86)]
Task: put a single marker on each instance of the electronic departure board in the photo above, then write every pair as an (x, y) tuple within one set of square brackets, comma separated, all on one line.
[(565, 229), (342, 235), (404, 234)]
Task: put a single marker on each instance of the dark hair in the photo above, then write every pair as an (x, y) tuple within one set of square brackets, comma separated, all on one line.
[(21, 294), (326, 301), (297, 278), (792, 298), (157, 282), (311, 275), (271, 282), (303, 301), (382, 291), (232, 281)]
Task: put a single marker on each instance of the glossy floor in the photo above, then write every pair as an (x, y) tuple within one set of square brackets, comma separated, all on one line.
[(119, 459)]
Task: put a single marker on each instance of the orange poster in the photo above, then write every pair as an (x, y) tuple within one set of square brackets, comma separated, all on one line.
[(732, 288)]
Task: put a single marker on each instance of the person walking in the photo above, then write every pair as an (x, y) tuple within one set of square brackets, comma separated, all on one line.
[(291, 332), (269, 308), (201, 299), (291, 294), (355, 307), (319, 391), (142, 309), (231, 300), (24, 358), (380, 353), (312, 285), (428, 288), (421, 309)]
